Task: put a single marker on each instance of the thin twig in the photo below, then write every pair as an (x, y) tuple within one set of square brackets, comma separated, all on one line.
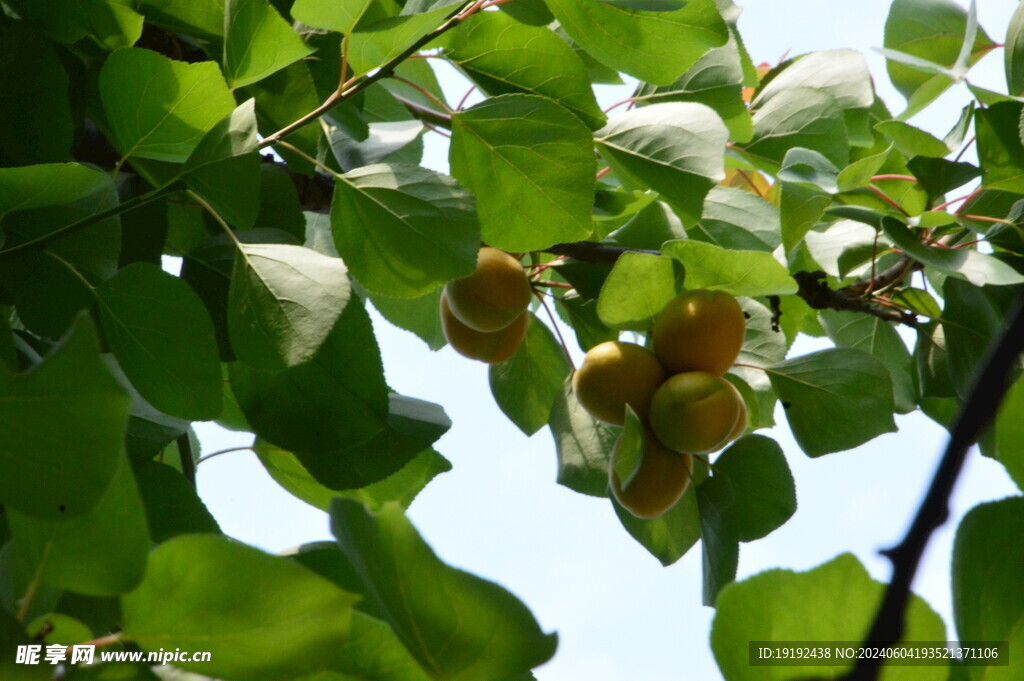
[(558, 332), (188, 464)]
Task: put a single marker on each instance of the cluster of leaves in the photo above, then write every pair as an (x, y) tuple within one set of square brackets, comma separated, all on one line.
[(133, 131)]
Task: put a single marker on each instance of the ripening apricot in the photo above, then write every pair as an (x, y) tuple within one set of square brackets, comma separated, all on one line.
[(615, 374), (741, 422), (695, 412), (494, 295), (661, 480), (699, 330), (490, 347)]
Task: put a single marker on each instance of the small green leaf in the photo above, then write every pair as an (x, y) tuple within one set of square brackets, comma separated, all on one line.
[(526, 385), (1014, 53), (1000, 147), (741, 273), (404, 230), (50, 184), (736, 219), (583, 445), (533, 181), (445, 617), (54, 473), (630, 450), (158, 108), (799, 117), (843, 74), (848, 389), (970, 321), (235, 135), (833, 602), (805, 166), (764, 494), (374, 44), (669, 536), (334, 15), (656, 47), (198, 592), (719, 540), (416, 315), (100, 553), (257, 42), (676, 149), (911, 141), (201, 19), (637, 289), (284, 301), (163, 339)]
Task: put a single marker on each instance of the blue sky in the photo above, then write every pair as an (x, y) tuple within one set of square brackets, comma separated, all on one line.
[(499, 513)]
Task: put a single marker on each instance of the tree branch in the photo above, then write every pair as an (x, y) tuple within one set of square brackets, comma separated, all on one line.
[(990, 385)]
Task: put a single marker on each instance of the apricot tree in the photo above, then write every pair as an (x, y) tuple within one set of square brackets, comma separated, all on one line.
[(273, 149)]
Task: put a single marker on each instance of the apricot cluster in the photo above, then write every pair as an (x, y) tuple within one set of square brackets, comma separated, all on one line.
[(677, 391), (484, 316)]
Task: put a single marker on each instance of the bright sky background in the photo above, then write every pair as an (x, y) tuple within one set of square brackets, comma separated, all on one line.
[(499, 512)]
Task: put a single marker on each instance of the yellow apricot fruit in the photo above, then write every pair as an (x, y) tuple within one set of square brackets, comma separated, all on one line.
[(699, 330), (661, 480), (741, 422), (490, 347), (694, 412), (614, 374), (494, 295)]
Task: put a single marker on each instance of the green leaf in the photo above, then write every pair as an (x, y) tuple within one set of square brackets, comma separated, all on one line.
[(200, 19), (878, 338), (656, 47), (416, 315), (13, 635), (1000, 148), (402, 486), (534, 180), (719, 540), (374, 44), (988, 595), (526, 385), (978, 268), (503, 56), (158, 108), (911, 141), (35, 107), (1010, 433), (50, 184), (805, 166), (404, 230), (738, 220), (669, 536), (716, 80), (111, 23), (235, 135), (848, 389), (445, 617), (764, 495), (383, 140), (172, 505), (257, 42), (800, 208), (833, 602), (843, 74), (583, 445), (927, 32), (198, 593), (334, 15), (54, 473), (100, 553), (741, 273), (285, 97), (970, 321), (799, 117), (637, 289), (581, 315), (1014, 53), (284, 301), (162, 337), (676, 149)]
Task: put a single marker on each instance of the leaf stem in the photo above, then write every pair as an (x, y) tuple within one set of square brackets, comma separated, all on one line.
[(299, 152), (207, 457), (425, 92), (558, 332), (188, 464)]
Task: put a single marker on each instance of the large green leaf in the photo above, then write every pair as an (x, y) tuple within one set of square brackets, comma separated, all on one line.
[(404, 230), (62, 430), (669, 536), (970, 321), (1014, 53), (583, 445), (201, 19), (988, 595), (374, 44), (284, 301), (260, 617), (741, 273), (878, 338), (1010, 433), (111, 23), (173, 506), (799, 117), (49, 184), (764, 495), (843, 74), (35, 106), (163, 339), (637, 290), (739, 220), (416, 315), (833, 602), (526, 385), (656, 47), (257, 42), (158, 108), (447, 618), (334, 15), (720, 546), (675, 148), (503, 56), (847, 389), (1000, 147), (533, 180), (100, 553)]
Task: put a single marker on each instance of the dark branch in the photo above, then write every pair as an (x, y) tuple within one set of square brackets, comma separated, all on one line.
[(818, 295), (990, 385), (185, 456), (589, 251)]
